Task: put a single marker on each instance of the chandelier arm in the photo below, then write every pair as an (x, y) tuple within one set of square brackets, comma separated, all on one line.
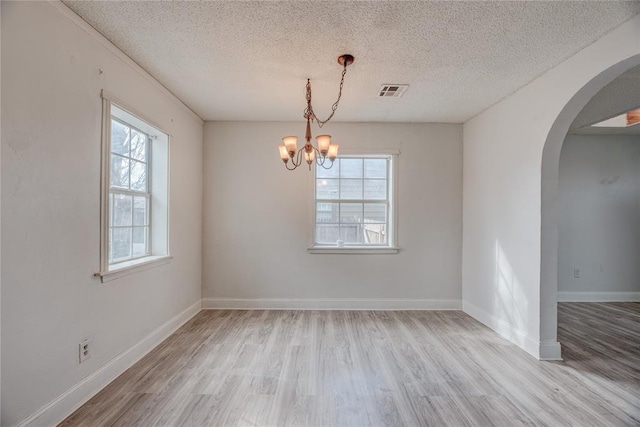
[(293, 161), (324, 160), (327, 167), (317, 156), (288, 168), (309, 110), (300, 156)]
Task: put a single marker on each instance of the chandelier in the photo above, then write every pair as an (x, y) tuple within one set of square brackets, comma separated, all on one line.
[(326, 152)]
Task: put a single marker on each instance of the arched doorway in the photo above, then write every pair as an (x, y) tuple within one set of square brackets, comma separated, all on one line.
[(549, 201)]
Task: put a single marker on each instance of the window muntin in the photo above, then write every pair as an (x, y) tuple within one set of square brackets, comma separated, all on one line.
[(353, 205), (129, 193)]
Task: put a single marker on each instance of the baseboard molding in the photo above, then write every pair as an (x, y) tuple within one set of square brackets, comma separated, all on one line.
[(64, 405), (550, 351), (329, 304), (598, 296), (539, 350)]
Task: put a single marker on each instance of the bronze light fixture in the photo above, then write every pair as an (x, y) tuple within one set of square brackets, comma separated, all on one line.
[(326, 152)]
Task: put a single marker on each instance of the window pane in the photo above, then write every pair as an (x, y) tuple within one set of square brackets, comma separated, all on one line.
[(350, 212), (119, 172), (351, 233), (119, 138), (140, 211), (351, 168), (110, 209), (122, 210), (327, 189), (110, 244), (326, 233), (138, 176), (334, 172), (351, 189), (375, 189), (375, 212), (375, 234), (327, 212), (140, 241), (375, 168), (121, 243), (138, 145)]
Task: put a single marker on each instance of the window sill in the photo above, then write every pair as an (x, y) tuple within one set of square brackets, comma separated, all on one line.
[(132, 267), (352, 250)]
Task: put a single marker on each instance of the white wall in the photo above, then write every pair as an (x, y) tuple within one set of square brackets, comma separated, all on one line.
[(256, 218), (0, 228), (599, 228), (51, 111), (502, 215)]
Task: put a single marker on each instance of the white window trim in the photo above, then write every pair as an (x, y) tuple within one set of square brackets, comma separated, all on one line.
[(392, 248), (134, 266), (111, 272)]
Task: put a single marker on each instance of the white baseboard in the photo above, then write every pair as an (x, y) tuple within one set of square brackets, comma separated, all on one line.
[(539, 350), (65, 404), (329, 304), (598, 296), (550, 351)]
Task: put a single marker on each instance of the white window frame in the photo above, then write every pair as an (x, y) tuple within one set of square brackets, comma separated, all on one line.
[(159, 245), (392, 178)]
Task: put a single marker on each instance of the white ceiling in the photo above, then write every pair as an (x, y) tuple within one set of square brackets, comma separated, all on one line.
[(250, 60)]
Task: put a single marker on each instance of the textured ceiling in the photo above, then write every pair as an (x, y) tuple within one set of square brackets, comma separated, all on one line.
[(250, 60)]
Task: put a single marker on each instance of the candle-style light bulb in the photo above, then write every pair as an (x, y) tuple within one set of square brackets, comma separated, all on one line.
[(284, 154), (310, 157), (291, 142), (333, 151), (324, 142)]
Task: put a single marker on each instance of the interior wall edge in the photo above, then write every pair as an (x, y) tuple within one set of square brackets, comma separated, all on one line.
[(64, 405)]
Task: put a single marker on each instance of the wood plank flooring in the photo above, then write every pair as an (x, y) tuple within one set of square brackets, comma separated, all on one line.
[(362, 368)]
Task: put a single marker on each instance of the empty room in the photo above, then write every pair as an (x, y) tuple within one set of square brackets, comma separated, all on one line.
[(315, 213)]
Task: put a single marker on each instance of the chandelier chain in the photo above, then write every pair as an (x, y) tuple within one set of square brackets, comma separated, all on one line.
[(310, 114)]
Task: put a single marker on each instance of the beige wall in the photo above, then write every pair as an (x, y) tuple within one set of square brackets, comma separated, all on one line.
[(51, 117), (599, 227), (256, 217), (511, 153)]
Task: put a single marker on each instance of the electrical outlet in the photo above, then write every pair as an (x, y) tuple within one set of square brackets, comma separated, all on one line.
[(576, 273), (85, 348)]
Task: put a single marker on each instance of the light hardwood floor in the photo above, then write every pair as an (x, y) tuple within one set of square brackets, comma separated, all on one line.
[(360, 368)]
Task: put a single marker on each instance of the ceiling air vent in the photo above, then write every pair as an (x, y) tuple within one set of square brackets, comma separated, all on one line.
[(392, 91)]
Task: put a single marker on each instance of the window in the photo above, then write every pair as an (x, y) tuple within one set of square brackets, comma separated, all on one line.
[(135, 173), (354, 208), (129, 193)]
